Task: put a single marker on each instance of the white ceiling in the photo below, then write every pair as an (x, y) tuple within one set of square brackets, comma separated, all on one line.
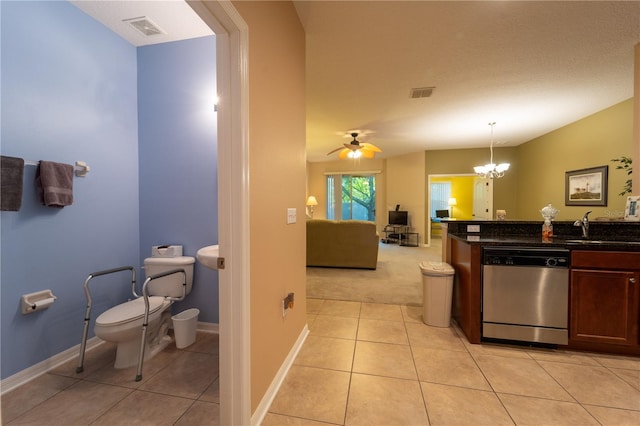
[(529, 66), (174, 17)]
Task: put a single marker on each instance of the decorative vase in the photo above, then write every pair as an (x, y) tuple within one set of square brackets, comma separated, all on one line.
[(548, 213)]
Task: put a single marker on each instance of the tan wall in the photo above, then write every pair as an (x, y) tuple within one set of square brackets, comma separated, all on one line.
[(590, 142), (636, 120), (277, 182), (406, 185)]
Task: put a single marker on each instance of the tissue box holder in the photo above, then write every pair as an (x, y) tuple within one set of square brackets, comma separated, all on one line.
[(166, 251)]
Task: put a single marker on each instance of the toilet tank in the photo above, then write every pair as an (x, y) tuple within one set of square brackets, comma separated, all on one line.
[(170, 285)]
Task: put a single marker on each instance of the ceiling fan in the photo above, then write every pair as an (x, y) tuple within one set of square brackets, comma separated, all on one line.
[(356, 149)]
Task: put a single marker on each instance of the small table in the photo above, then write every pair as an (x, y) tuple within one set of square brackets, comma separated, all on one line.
[(409, 239)]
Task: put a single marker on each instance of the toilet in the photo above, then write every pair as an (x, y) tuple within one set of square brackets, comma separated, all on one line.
[(122, 324)]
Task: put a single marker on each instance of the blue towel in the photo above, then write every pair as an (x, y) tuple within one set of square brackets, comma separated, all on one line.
[(11, 177), (54, 182)]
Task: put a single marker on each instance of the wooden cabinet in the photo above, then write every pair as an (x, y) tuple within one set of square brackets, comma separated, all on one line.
[(604, 298), (467, 287)]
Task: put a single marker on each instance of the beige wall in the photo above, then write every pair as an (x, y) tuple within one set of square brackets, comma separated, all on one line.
[(277, 182), (590, 142), (636, 121), (406, 185)]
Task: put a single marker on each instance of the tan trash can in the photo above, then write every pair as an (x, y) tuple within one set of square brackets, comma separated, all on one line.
[(437, 292)]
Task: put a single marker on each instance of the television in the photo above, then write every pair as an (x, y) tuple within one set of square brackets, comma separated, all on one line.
[(399, 218), (442, 213)]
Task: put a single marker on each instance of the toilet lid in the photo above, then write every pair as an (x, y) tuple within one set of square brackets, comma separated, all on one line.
[(129, 311)]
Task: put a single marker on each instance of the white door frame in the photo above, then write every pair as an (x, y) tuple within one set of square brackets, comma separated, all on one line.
[(427, 214), (233, 207)]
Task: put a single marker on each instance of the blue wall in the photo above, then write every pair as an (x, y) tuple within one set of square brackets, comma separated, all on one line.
[(69, 92), (178, 157)]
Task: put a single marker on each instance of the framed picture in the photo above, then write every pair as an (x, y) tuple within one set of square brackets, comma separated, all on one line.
[(632, 210), (586, 187)]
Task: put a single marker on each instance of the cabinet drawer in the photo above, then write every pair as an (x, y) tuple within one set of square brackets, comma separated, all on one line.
[(605, 259)]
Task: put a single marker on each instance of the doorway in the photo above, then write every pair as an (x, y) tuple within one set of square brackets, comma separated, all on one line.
[(473, 199), (233, 207)]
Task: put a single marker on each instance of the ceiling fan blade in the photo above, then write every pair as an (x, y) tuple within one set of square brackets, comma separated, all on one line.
[(335, 150), (366, 153), (370, 147), (352, 146)]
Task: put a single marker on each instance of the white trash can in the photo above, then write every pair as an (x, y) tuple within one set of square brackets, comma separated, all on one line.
[(184, 327), (437, 292)]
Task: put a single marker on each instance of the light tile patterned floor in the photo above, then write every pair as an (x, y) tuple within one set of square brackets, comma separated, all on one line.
[(178, 387), (362, 364), (377, 364)]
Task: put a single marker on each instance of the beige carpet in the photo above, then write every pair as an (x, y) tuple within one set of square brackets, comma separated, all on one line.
[(397, 279)]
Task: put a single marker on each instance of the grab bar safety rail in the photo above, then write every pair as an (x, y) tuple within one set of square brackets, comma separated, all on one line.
[(145, 323), (87, 315)]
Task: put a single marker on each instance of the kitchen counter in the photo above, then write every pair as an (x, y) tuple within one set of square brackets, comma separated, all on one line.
[(603, 235), (603, 285), (572, 243)]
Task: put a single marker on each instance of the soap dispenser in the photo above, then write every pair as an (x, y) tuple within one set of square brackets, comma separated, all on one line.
[(548, 213)]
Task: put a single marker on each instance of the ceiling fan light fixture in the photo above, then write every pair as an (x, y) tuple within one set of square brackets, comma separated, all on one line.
[(491, 170), (355, 149)]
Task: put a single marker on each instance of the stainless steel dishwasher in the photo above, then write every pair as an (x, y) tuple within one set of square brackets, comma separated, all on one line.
[(525, 293)]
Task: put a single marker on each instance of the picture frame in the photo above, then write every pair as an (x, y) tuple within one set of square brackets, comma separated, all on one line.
[(632, 210), (586, 187)]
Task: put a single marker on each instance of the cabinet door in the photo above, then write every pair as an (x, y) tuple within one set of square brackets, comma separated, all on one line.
[(604, 306)]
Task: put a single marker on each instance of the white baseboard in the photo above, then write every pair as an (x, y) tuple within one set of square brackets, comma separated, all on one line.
[(28, 374), (208, 327), (270, 394), (42, 367)]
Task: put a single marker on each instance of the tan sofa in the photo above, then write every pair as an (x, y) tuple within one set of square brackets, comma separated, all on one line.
[(342, 243)]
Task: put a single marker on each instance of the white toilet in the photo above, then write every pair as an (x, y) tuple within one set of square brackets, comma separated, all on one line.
[(122, 324)]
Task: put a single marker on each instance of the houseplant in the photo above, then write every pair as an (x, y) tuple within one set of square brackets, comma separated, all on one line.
[(625, 164)]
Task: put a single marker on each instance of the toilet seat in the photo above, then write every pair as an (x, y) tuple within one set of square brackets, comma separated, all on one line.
[(129, 311)]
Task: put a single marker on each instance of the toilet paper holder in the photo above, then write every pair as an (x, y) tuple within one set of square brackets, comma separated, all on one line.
[(37, 301)]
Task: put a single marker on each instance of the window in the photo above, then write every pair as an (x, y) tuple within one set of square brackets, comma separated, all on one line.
[(440, 193), (351, 197)]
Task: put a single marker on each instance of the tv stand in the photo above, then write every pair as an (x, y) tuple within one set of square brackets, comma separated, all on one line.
[(393, 233), (399, 234)]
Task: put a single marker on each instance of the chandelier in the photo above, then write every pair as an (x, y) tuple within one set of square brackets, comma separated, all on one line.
[(491, 170)]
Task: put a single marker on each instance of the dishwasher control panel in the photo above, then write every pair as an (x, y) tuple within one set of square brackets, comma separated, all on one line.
[(518, 256)]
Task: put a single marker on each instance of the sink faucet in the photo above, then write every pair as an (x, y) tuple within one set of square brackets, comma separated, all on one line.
[(584, 224)]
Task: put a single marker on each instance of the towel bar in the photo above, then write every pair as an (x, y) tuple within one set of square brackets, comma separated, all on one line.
[(81, 167)]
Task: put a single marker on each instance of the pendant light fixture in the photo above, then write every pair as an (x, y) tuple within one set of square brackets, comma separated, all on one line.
[(491, 170)]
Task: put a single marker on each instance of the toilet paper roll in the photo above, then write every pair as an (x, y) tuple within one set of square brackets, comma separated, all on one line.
[(42, 304)]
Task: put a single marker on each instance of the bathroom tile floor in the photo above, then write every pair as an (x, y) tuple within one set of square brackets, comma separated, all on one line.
[(178, 387), (378, 364), (362, 364)]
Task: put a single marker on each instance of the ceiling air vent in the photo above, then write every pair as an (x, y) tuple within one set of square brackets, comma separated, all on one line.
[(421, 92), (145, 26)]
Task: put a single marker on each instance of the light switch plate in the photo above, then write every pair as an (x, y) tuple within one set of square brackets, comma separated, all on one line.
[(473, 228), (291, 216)]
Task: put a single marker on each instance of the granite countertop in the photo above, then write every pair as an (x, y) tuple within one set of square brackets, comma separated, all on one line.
[(603, 235), (571, 242)]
